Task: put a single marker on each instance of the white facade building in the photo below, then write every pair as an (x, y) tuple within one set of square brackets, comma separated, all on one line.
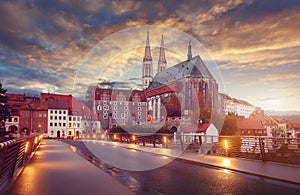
[(57, 123), (235, 106)]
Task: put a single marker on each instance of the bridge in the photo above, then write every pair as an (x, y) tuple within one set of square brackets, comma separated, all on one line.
[(149, 164)]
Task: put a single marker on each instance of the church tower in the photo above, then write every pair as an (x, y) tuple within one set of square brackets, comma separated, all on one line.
[(162, 62), (189, 55), (147, 65)]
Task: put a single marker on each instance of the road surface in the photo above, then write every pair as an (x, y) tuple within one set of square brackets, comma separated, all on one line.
[(148, 173)]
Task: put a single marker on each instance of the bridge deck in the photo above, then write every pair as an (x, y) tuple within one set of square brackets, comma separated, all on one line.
[(55, 169)]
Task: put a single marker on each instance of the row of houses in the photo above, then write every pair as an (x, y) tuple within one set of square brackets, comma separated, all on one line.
[(55, 115), (271, 126)]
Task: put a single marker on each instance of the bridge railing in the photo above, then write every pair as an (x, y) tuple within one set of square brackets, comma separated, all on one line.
[(275, 149), (14, 154), (136, 138)]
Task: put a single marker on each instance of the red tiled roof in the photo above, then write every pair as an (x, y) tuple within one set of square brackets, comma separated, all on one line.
[(249, 123), (196, 128), (74, 106), (57, 104)]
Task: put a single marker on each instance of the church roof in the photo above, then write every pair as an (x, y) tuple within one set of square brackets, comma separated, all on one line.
[(190, 68)]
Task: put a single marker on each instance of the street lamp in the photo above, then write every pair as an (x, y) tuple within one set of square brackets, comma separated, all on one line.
[(40, 128), (74, 126)]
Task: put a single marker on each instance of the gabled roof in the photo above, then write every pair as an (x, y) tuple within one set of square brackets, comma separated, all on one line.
[(249, 123), (57, 104), (190, 68)]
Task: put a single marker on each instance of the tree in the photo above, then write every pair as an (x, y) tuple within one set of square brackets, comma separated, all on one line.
[(4, 113), (230, 125)]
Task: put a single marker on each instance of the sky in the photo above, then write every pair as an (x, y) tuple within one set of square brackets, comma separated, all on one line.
[(61, 46)]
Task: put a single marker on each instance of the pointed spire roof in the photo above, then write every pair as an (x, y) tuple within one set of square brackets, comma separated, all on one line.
[(189, 55), (162, 58), (147, 56)]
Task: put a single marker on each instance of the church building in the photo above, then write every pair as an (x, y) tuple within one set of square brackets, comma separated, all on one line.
[(190, 81)]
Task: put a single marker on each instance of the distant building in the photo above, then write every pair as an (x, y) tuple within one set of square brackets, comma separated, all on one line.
[(231, 105), (29, 114), (69, 117), (119, 107), (251, 127), (58, 118)]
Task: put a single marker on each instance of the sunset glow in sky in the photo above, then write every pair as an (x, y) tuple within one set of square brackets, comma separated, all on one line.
[(45, 45)]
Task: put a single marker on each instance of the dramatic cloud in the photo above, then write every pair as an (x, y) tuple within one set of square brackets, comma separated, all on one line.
[(45, 44)]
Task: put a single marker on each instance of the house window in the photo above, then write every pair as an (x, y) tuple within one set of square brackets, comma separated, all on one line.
[(51, 124), (105, 116), (126, 108), (64, 112), (139, 113), (55, 111), (55, 117), (51, 111), (59, 117), (60, 112), (114, 116), (51, 117), (78, 125), (70, 118), (52, 132), (59, 124), (139, 117), (55, 124), (64, 124), (115, 107), (64, 117), (45, 115), (139, 108)]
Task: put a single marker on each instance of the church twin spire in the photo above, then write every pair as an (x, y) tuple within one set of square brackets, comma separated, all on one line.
[(147, 56), (162, 62)]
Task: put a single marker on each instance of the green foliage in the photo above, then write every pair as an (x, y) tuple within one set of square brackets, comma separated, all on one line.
[(4, 113), (230, 125)]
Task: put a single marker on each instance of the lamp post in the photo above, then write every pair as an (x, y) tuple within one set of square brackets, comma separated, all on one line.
[(74, 126), (39, 128)]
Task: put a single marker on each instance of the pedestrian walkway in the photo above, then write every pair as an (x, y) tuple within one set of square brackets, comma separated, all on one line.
[(278, 171), (55, 169)]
